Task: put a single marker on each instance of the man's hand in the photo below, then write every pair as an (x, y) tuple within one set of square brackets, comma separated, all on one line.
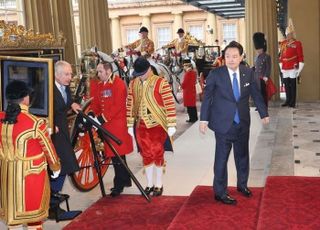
[(171, 131), (130, 131), (265, 120), (203, 126), (75, 107), (55, 174), (265, 79)]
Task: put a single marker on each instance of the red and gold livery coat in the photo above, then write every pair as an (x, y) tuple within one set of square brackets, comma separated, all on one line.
[(155, 107), (189, 88), (109, 101), (291, 54), (143, 45), (25, 152)]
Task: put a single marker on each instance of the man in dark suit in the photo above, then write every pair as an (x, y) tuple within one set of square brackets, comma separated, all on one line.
[(225, 110), (61, 138)]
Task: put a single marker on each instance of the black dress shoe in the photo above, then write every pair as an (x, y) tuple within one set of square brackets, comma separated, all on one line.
[(292, 106), (54, 213), (116, 191), (157, 191), (149, 190), (226, 199), (284, 104), (245, 191)]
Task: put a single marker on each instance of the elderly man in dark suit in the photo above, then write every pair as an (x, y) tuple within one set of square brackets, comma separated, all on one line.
[(61, 138), (225, 110)]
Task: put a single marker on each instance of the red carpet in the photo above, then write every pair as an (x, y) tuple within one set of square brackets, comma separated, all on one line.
[(201, 211), (290, 203), (128, 212)]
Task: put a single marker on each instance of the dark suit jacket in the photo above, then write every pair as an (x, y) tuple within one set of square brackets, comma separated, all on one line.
[(61, 139), (219, 104)]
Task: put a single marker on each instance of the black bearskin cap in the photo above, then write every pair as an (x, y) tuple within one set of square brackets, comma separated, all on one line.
[(259, 41)]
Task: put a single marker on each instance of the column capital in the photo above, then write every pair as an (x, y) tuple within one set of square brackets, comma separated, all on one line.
[(144, 15), (177, 12)]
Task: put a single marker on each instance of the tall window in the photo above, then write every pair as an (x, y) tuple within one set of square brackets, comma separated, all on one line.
[(163, 35), (11, 11), (132, 35), (229, 32), (197, 31)]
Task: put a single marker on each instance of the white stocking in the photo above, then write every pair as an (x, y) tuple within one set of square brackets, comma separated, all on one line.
[(149, 173), (159, 172)]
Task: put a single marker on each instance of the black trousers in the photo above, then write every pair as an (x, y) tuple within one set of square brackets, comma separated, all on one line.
[(291, 87), (238, 138), (264, 91), (192, 112), (121, 175)]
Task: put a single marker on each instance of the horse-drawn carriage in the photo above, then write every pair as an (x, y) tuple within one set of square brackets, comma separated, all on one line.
[(31, 57)]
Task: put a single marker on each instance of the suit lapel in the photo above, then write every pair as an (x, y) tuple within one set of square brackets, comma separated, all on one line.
[(242, 79), (228, 82)]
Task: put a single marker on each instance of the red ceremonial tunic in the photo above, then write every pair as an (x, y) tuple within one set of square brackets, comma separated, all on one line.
[(291, 54), (110, 102), (189, 88), (25, 153)]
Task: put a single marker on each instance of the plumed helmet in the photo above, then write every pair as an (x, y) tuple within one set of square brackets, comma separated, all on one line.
[(180, 31), (143, 29), (140, 66), (17, 90), (290, 27), (259, 41)]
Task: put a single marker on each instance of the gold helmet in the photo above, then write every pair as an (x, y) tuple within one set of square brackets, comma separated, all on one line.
[(290, 27)]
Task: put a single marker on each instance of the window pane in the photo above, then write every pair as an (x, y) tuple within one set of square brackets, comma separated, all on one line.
[(196, 31), (11, 12), (132, 35), (229, 32), (164, 36)]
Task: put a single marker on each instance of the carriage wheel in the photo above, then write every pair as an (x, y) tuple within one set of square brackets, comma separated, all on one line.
[(87, 177)]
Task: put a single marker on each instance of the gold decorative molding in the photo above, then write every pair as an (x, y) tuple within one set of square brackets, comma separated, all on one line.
[(17, 36), (191, 40)]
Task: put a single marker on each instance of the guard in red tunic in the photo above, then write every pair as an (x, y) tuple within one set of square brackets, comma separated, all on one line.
[(189, 91), (291, 64), (25, 153), (109, 105), (151, 110)]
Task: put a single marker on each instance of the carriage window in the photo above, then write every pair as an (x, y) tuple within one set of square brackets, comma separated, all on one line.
[(196, 31), (132, 35), (164, 36), (11, 11), (229, 32)]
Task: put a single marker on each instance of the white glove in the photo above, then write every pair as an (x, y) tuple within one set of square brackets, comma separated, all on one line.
[(301, 65), (55, 174), (143, 53), (130, 131), (171, 131), (280, 65)]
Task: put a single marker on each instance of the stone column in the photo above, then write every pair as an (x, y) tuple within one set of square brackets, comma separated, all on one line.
[(116, 33), (261, 16), (146, 22), (211, 29), (61, 11), (178, 21), (95, 25)]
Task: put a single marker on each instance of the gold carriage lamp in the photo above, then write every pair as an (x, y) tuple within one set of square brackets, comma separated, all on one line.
[(29, 56)]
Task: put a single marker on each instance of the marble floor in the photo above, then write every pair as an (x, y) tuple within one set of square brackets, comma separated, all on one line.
[(289, 145)]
